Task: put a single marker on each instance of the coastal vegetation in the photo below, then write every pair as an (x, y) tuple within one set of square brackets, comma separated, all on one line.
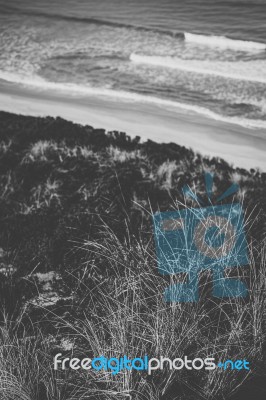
[(79, 272)]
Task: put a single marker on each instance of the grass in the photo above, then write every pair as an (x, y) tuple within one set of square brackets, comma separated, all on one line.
[(135, 320), (74, 203), (125, 314)]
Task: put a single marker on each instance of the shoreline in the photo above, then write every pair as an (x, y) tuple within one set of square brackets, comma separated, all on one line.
[(242, 147)]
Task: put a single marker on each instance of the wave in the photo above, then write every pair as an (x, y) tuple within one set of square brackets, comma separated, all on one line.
[(251, 71), (224, 42), (74, 89), (95, 21), (207, 40)]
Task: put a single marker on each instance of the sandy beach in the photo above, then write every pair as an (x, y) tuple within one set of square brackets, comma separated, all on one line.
[(239, 146)]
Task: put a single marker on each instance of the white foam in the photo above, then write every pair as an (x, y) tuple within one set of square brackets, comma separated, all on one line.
[(224, 42), (74, 89), (251, 71)]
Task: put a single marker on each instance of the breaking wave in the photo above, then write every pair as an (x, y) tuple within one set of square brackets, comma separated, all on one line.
[(252, 71), (224, 42), (206, 40)]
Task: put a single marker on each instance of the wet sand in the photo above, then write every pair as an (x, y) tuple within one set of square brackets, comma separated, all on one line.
[(240, 146)]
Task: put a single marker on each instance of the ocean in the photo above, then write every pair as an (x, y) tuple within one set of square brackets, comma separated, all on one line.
[(204, 56)]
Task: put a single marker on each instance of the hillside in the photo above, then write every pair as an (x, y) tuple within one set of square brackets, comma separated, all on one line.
[(76, 226)]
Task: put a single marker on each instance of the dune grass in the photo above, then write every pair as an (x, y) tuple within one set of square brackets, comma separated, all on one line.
[(74, 202), (125, 314)]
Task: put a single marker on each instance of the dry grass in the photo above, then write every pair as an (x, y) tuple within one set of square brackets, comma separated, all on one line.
[(7, 186), (122, 156), (24, 365), (44, 150), (127, 315), (165, 174), (5, 146)]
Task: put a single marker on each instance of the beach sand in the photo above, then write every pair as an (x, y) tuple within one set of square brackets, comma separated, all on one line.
[(242, 147)]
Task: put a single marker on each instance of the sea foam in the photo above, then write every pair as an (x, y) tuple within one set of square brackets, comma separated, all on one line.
[(224, 42), (252, 71)]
